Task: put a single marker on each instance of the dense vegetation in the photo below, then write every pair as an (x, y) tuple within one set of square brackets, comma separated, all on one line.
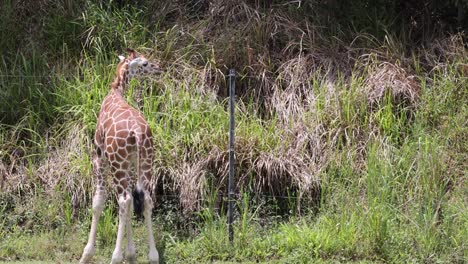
[(351, 127)]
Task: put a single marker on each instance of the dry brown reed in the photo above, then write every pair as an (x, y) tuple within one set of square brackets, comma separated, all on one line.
[(285, 63), (387, 77)]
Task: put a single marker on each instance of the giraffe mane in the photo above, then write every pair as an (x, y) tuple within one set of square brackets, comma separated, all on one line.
[(118, 79), (124, 62)]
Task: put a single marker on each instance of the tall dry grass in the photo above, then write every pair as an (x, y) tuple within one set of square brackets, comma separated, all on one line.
[(363, 123)]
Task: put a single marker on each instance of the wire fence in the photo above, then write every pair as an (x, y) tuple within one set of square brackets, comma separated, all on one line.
[(231, 197), (239, 76), (236, 196)]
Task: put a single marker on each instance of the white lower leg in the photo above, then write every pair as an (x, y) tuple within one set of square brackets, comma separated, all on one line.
[(117, 256), (99, 200), (130, 252), (153, 253)]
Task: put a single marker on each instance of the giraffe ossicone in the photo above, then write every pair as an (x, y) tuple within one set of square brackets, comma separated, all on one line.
[(123, 149)]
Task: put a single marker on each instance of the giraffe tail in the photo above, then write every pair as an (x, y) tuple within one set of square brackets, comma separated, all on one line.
[(138, 202), (138, 193)]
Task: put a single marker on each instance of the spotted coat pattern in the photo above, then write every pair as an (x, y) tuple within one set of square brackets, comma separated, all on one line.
[(124, 150)]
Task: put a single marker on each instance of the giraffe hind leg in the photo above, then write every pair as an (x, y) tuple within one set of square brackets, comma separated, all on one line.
[(130, 252), (123, 183), (148, 208), (153, 252), (144, 170), (124, 202)]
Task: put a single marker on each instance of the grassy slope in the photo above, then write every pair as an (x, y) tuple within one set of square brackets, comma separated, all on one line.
[(379, 120)]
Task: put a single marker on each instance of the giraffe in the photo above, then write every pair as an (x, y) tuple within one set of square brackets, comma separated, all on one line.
[(123, 148)]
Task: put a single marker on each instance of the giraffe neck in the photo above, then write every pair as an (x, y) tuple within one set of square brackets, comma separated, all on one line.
[(122, 80)]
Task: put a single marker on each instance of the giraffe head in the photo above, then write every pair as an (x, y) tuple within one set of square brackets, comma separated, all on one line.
[(134, 65), (138, 65)]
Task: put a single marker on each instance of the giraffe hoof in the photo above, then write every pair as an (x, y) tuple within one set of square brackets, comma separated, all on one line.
[(84, 260), (88, 253), (131, 259), (154, 257), (116, 259)]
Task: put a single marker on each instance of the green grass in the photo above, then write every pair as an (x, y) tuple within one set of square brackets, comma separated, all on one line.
[(325, 104)]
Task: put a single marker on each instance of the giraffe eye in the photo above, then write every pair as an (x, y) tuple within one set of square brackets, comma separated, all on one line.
[(145, 63)]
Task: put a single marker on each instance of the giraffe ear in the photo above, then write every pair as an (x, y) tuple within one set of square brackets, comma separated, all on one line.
[(132, 52), (122, 58)]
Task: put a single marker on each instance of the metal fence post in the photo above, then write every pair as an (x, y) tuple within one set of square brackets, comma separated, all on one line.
[(232, 76)]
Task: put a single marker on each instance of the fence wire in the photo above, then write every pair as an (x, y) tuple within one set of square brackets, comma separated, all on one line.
[(235, 197)]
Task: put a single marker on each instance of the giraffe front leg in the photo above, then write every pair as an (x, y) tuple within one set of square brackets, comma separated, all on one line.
[(99, 201)]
